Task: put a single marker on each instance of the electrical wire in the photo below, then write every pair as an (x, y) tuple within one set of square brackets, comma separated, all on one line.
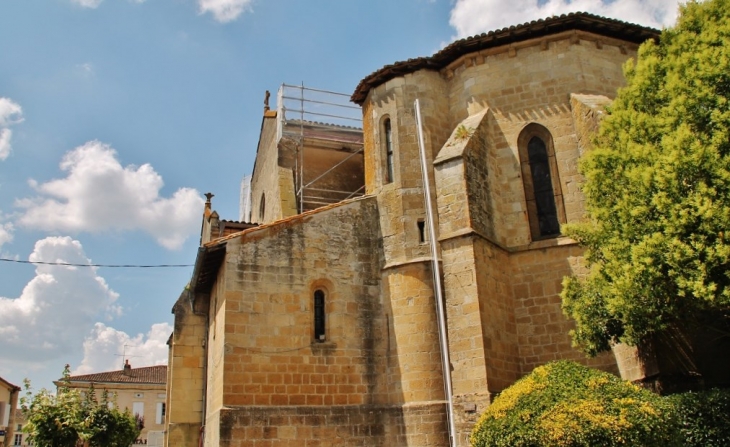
[(70, 264)]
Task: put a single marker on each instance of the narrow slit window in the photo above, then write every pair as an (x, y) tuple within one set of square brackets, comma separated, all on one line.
[(319, 316), (262, 207), (388, 150), (421, 230)]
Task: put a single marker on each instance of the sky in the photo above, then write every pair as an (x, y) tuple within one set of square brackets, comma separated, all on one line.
[(116, 116)]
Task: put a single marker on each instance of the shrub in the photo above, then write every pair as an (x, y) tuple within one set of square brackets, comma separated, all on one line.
[(565, 404), (703, 418)]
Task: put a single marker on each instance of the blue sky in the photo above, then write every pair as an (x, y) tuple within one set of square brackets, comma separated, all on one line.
[(117, 115)]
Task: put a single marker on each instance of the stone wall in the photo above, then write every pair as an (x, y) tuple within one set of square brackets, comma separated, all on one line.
[(269, 356), (543, 330), (337, 426), (186, 374)]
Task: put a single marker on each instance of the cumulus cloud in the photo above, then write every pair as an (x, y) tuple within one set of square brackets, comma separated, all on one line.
[(470, 17), (224, 10), (52, 315), (87, 3), (10, 114), (99, 194), (105, 347)]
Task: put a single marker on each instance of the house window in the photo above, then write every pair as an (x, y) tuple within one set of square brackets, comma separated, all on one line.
[(18, 439), (319, 316), (540, 179), (138, 409), (160, 413), (388, 132)]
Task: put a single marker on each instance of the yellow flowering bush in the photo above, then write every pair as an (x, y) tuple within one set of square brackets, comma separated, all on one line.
[(564, 404)]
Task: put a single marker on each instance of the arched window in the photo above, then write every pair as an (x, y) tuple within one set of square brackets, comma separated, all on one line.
[(540, 178), (319, 316), (388, 149), (262, 207)]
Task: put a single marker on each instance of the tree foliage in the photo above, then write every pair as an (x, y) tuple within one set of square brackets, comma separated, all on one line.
[(564, 404), (70, 419), (657, 190)]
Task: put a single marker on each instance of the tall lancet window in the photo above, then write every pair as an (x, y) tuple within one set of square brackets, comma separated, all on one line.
[(540, 178)]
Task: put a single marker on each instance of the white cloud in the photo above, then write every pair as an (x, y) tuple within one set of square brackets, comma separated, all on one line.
[(10, 113), (224, 10), (85, 70), (6, 233), (98, 194), (104, 347), (87, 3), (50, 318), (470, 17)]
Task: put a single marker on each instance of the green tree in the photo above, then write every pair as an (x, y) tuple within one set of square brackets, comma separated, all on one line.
[(68, 419), (564, 404), (658, 190)]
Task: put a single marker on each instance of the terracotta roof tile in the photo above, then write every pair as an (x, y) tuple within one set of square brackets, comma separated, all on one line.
[(148, 374)]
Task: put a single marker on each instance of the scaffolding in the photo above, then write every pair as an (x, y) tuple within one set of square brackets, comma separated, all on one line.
[(324, 130)]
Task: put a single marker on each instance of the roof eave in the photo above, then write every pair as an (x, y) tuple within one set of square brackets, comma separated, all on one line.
[(207, 263), (539, 28)]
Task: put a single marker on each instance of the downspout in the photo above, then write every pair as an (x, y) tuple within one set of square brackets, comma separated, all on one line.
[(445, 360)]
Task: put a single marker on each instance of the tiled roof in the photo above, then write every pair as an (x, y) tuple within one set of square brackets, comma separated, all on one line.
[(8, 384), (579, 21), (148, 374)]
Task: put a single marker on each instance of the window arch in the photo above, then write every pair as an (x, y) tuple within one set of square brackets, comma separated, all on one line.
[(543, 193), (388, 150), (319, 316), (262, 207)]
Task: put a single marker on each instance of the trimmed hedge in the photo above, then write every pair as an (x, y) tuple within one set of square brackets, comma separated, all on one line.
[(564, 404)]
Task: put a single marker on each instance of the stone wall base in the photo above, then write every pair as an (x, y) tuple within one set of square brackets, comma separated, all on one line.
[(421, 424), (182, 435)]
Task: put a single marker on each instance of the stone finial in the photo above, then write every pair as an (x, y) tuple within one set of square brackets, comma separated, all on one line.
[(208, 196), (266, 101)]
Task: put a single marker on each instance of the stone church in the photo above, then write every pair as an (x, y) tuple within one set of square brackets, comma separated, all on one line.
[(318, 325)]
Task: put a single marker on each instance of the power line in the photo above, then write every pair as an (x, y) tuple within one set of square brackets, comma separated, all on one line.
[(70, 264)]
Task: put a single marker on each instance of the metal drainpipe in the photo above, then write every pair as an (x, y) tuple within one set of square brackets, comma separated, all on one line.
[(445, 360)]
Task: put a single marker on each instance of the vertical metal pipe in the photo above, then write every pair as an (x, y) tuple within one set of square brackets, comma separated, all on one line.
[(445, 360)]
